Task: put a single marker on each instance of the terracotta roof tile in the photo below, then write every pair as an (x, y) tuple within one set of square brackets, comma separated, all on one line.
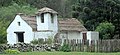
[(30, 20), (71, 25), (45, 10), (64, 25)]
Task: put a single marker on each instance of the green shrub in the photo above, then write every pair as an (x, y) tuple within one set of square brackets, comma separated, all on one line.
[(65, 48), (49, 40), (9, 51), (35, 41), (40, 41)]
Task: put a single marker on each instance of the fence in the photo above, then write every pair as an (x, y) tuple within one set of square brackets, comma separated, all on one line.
[(94, 45), (75, 45)]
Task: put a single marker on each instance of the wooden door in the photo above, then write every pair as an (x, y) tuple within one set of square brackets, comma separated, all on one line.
[(84, 38)]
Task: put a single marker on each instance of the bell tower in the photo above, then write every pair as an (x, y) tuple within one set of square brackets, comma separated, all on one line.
[(47, 20)]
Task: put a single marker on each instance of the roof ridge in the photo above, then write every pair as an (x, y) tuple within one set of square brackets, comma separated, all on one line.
[(46, 10)]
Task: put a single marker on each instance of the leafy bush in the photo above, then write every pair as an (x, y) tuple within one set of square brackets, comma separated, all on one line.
[(65, 48), (49, 40), (3, 33), (38, 41), (41, 41), (106, 30), (9, 51), (35, 41)]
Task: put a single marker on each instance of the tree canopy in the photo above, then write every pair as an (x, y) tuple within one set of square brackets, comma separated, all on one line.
[(105, 30), (94, 12)]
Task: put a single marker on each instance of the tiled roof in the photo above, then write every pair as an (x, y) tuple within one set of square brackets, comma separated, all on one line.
[(64, 24), (30, 20), (70, 25), (46, 10)]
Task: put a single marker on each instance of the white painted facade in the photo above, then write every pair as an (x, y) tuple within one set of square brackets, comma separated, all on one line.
[(90, 35), (47, 25), (51, 28), (70, 35), (12, 37), (44, 30)]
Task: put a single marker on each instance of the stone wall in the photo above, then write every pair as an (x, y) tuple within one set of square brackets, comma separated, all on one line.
[(23, 47)]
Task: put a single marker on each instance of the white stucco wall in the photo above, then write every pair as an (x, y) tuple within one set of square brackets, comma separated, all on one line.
[(14, 27), (47, 25), (74, 35), (92, 35), (43, 35), (54, 26), (42, 26), (70, 35)]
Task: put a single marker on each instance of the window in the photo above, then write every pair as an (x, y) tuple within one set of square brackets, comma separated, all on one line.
[(52, 20), (42, 18), (18, 23)]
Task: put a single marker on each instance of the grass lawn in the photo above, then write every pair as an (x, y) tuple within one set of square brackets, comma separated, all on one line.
[(63, 53)]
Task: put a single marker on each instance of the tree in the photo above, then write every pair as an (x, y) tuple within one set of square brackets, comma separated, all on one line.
[(20, 2), (106, 30), (93, 12), (3, 33), (63, 7), (8, 13), (5, 3)]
